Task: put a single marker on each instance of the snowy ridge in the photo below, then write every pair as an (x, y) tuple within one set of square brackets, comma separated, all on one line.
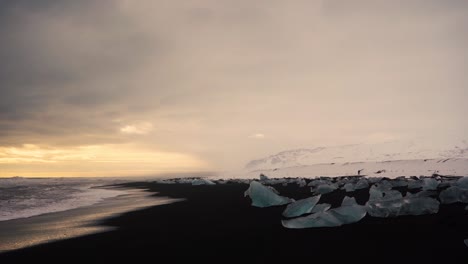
[(389, 159), (388, 151)]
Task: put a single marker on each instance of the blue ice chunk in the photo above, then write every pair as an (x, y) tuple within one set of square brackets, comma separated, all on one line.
[(454, 194), (301, 207), (263, 196)]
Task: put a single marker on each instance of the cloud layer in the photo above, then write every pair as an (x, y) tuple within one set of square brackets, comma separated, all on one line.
[(200, 78)]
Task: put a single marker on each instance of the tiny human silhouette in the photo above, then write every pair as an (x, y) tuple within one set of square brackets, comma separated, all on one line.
[(359, 171)]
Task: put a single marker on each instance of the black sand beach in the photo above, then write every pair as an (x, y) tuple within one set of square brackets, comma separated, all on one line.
[(217, 224)]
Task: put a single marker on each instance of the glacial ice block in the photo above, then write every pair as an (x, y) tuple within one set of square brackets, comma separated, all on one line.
[(263, 177), (454, 194), (430, 184), (202, 182), (301, 182), (301, 207), (419, 206), (347, 201), (361, 184), (325, 188), (384, 203), (334, 217), (263, 196), (349, 187), (322, 208), (462, 183)]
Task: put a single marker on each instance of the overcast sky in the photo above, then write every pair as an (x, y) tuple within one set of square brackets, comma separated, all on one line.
[(122, 87)]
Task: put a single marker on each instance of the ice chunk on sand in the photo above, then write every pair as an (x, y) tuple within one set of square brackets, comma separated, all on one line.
[(377, 194), (348, 201), (454, 194), (361, 184), (315, 183), (263, 196), (462, 183), (322, 207), (422, 194), (301, 207), (263, 177), (419, 206), (325, 188), (202, 182), (334, 217), (430, 184), (301, 182), (349, 187), (384, 203), (415, 184)]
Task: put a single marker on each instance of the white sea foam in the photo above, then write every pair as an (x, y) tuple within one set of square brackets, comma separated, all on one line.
[(26, 197)]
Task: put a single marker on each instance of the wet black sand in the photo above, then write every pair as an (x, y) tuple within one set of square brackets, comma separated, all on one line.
[(216, 224)]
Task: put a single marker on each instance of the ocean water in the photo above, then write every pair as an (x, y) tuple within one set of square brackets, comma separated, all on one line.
[(26, 197)]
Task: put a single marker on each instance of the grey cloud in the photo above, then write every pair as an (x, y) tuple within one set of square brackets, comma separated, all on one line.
[(208, 74)]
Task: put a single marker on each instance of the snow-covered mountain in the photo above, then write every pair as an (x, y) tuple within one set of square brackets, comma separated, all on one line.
[(388, 151)]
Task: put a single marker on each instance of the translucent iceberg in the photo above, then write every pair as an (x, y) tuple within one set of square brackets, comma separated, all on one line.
[(422, 194), (361, 184), (462, 183), (419, 206), (384, 203), (348, 201), (301, 207), (349, 187), (399, 183), (301, 182), (334, 217), (325, 188), (454, 194), (415, 184), (430, 184), (202, 182), (263, 196), (322, 208), (315, 183), (263, 177)]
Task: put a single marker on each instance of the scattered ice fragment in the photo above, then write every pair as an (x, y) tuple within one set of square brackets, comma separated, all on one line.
[(301, 182), (384, 203), (430, 184), (419, 206), (349, 187), (202, 182), (322, 207), (361, 184), (399, 183), (348, 201), (414, 184), (263, 177), (301, 207), (165, 182), (466, 242), (422, 194), (325, 188), (315, 183), (334, 217), (462, 183), (263, 196), (454, 194), (383, 185)]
